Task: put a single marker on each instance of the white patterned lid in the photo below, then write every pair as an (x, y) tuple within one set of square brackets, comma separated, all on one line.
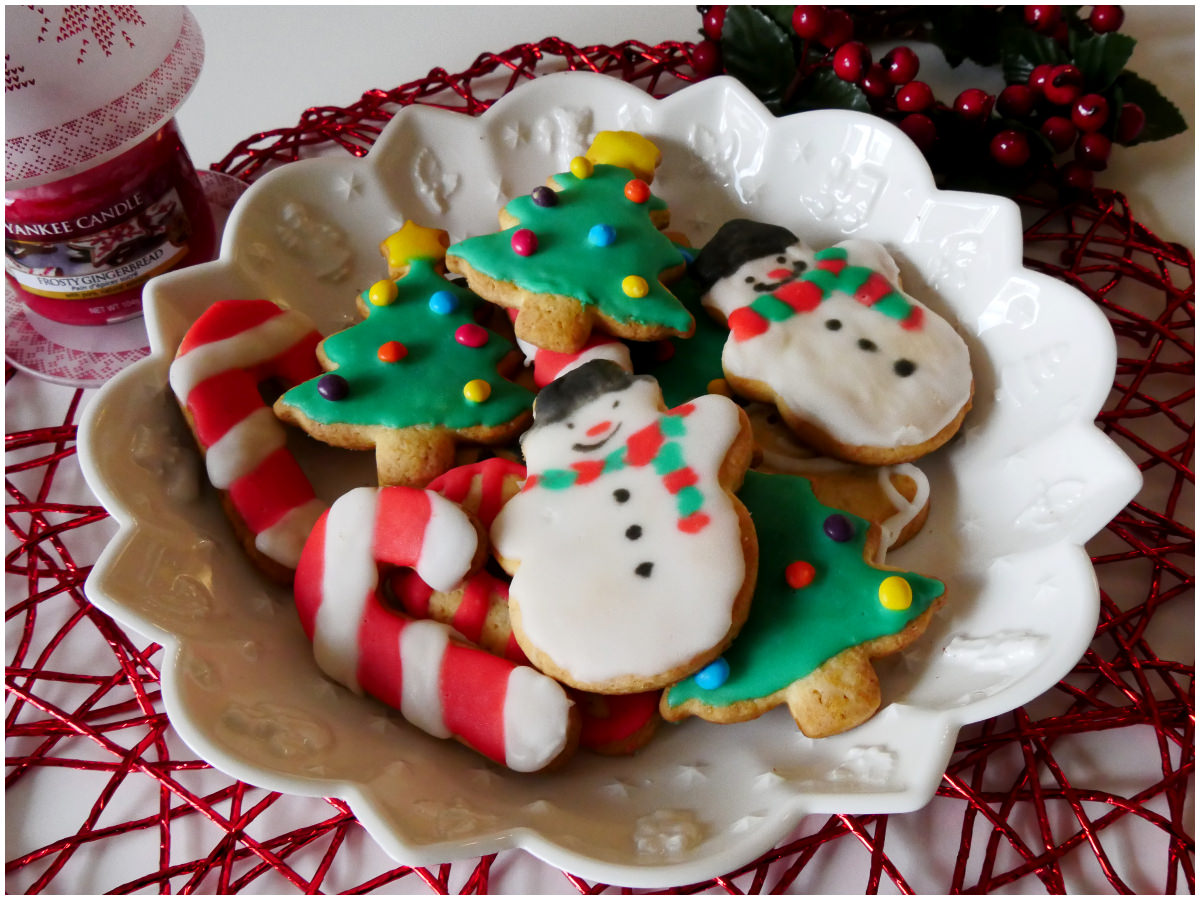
[(82, 84)]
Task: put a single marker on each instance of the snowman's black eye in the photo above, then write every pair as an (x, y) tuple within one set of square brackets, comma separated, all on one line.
[(833, 324), (570, 424), (616, 403), (869, 346), (781, 259), (904, 367), (750, 279)]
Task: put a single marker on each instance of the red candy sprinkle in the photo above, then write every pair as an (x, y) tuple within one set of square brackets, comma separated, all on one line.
[(471, 335), (392, 351), (524, 242), (799, 574)]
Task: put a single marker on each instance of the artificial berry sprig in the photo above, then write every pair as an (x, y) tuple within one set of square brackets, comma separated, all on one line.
[(1068, 96)]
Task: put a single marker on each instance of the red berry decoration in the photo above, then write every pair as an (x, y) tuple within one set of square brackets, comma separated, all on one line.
[(851, 60), (808, 21), (914, 97), (1064, 85), (706, 58), (1090, 112), (875, 83), (1074, 177), (1016, 101), (1040, 77), (1043, 18), (1131, 120), (837, 29), (1010, 148), (1060, 132), (900, 65), (712, 23), (1106, 18), (920, 130), (1092, 151), (973, 104)]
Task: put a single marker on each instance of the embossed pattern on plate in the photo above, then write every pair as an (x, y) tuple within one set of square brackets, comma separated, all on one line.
[(1014, 497)]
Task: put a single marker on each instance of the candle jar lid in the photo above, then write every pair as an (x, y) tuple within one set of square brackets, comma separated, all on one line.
[(85, 83)]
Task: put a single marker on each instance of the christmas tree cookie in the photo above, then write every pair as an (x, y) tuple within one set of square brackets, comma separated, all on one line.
[(584, 251), (416, 376), (821, 612)]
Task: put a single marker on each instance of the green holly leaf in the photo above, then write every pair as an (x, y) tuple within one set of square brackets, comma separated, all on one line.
[(1021, 49), (757, 51), (781, 15), (1102, 57), (1163, 118), (824, 90), (965, 32)]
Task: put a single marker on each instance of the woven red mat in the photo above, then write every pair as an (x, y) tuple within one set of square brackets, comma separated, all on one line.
[(1028, 815)]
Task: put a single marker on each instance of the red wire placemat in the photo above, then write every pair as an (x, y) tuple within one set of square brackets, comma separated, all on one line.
[(1027, 817)]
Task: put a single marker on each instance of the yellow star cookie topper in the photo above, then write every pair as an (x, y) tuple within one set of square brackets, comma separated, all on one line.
[(627, 149), (411, 242)]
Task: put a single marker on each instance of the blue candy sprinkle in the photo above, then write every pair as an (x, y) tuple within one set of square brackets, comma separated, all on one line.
[(602, 235), (443, 302), (712, 676)]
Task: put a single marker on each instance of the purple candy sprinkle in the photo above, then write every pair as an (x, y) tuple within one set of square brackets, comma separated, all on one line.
[(333, 387), (838, 528)]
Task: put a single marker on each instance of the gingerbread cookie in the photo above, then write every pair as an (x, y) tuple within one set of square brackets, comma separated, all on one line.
[(632, 561), (822, 611), (416, 376), (231, 351), (858, 369), (585, 251)]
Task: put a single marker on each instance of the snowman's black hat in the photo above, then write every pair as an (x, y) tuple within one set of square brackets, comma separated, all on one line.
[(565, 394), (736, 243)]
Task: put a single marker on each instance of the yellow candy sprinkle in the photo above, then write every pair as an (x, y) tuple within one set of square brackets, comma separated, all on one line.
[(895, 593), (383, 293), (477, 390), (635, 286), (581, 167)]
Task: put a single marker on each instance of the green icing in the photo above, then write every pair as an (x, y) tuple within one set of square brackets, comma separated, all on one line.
[(790, 631), (567, 263), (688, 365), (425, 387)]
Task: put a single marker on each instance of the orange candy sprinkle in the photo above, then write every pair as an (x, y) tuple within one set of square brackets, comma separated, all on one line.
[(637, 190), (392, 351), (799, 574)]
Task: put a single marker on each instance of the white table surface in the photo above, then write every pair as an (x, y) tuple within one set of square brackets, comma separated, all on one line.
[(265, 65)]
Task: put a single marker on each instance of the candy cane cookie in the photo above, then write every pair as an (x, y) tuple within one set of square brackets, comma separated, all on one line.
[(230, 350), (510, 713)]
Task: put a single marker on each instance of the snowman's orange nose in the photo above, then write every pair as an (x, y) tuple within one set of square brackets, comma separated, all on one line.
[(599, 428)]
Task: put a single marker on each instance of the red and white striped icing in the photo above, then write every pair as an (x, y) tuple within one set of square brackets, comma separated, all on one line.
[(228, 351), (510, 713), (549, 364)]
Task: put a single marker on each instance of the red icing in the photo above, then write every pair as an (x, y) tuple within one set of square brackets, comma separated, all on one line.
[(589, 470), (679, 479), (410, 592), (802, 296), (693, 523), (400, 522), (220, 402), (309, 573), (914, 320), (609, 719), (745, 323), (473, 685), (644, 445), (380, 668), (492, 474), (225, 318), (472, 611), (875, 287), (276, 485), (833, 266)]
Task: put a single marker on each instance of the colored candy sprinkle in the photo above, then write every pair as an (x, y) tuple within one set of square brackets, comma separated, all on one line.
[(635, 286), (544, 196), (838, 528), (333, 387), (477, 390), (443, 302), (602, 235), (392, 351), (712, 676), (471, 335), (383, 293), (637, 190), (895, 593), (581, 167), (524, 242), (799, 574)]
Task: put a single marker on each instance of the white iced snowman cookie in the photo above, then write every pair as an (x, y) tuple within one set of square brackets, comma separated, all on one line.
[(633, 564), (857, 368)]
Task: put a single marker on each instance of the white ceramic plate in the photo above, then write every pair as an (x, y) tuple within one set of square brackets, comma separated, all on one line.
[(1028, 481)]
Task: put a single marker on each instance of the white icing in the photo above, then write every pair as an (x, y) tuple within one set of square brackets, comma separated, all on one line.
[(822, 376), (576, 591), (448, 547), (283, 541), (243, 447), (536, 710), (348, 580), (422, 649), (247, 348)]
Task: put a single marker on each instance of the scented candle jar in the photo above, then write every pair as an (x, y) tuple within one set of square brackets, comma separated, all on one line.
[(100, 194)]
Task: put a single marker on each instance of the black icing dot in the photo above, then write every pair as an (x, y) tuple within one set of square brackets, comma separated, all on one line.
[(904, 367), (833, 324), (868, 345), (621, 495), (750, 279), (781, 259), (643, 569), (633, 532)]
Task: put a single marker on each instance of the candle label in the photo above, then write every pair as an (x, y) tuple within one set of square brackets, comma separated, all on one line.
[(96, 252)]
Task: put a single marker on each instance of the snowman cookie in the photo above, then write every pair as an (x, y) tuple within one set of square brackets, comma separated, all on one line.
[(633, 562), (858, 369)]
